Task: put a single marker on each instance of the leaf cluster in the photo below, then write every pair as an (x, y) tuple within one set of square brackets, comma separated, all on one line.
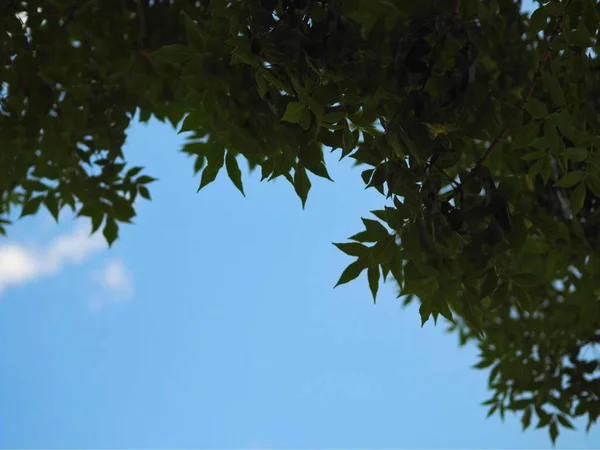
[(476, 122)]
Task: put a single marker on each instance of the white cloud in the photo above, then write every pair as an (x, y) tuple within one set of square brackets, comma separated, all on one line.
[(20, 264), (116, 283)]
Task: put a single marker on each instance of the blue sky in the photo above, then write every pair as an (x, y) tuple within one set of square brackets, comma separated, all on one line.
[(212, 322)]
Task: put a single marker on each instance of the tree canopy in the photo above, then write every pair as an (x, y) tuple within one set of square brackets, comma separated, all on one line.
[(478, 124)]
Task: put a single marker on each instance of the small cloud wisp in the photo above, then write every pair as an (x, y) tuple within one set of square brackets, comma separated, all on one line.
[(116, 282), (20, 264)]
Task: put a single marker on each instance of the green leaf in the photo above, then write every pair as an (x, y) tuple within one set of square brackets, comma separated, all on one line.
[(144, 192), (472, 313), (570, 179), (576, 153), (556, 92), (122, 209), (483, 364), (193, 33), (565, 422), (526, 418), (294, 111), (175, 53), (351, 272), (536, 108), (35, 185), (51, 203), (526, 279), (578, 198), (410, 144), (380, 214), (410, 241), (353, 248), (234, 172), (384, 250), (366, 176), (581, 35), (444, 310), (301, 184), (191, 122), (373, 276), (97, 219), (538, 19), (110, 231), (349, 140), (532, 156), (242, 50), (525, 136), (543, 416), (145, 179), (334, 117), (519, 404), (489, 283), (261, 83), (364, 236), (133, 172), (305, 120), (31, 207), (554, 8), (553, 430), (512, 116), (395, 217), (492, 410), (216, 158), (425, 313), (518, 234), (311, 156), (375, 229), (552, 136)]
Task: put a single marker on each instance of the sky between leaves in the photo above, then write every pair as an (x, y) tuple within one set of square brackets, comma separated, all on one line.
[(213, 323)]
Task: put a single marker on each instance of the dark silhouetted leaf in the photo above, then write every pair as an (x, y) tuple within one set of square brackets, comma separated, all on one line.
[(234, 172), (373, 276), (351, 272)]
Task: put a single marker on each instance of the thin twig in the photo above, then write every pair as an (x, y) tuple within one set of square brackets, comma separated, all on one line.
[(534, 82)]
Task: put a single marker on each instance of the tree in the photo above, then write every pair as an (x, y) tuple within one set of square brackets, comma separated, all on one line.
[(478, 124)]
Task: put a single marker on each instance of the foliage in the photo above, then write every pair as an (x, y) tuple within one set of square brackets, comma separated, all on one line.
[(70, 86), (478, 124)]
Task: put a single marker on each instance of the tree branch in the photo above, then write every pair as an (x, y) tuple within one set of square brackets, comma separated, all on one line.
[(531, 89)]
